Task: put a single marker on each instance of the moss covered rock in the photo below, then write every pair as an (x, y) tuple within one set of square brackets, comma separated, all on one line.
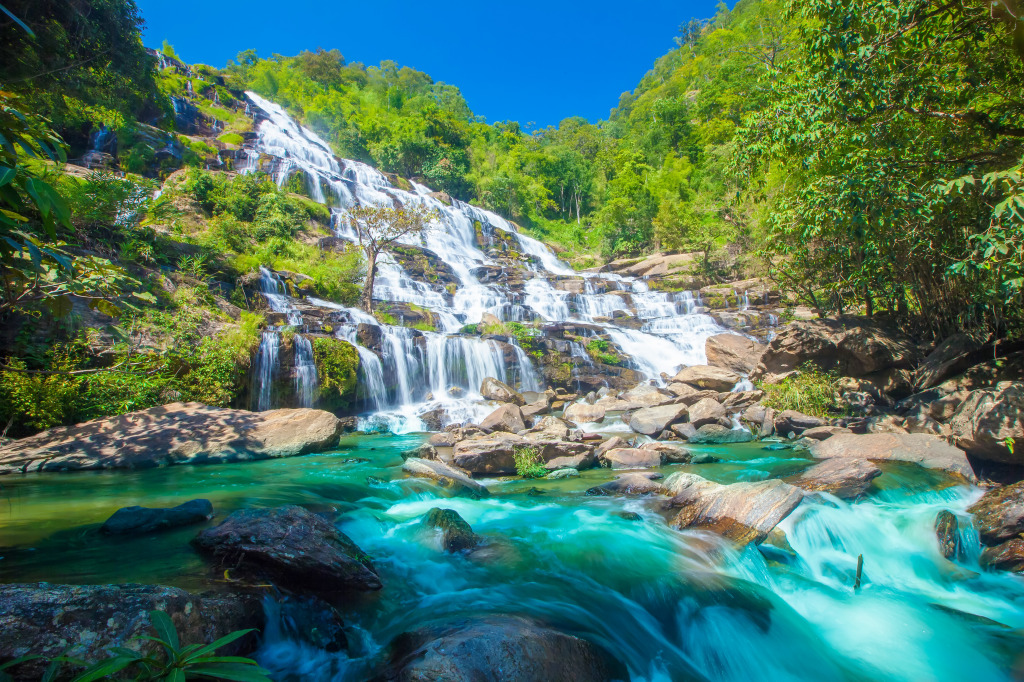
[(337, 367)]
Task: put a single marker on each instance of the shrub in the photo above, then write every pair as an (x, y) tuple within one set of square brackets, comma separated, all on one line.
[(337, 367), (528, 463), (810, 391), (600, 351)]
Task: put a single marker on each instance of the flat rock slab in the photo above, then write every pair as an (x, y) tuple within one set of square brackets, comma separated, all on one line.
[(293, 545), (716, 434), (919, 448), (843, 477), (741, 512), (631, 484), (178, 433), (141, 520), (582, 413), (651, 421), (504, 648), (707, 377), (444, 475), (81, 621), (631, 458)]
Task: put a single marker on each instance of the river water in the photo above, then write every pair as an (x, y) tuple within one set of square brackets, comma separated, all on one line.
[(670, 605)]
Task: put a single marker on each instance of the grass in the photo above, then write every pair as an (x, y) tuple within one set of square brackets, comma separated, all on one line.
[(528, 463), (810, 391)]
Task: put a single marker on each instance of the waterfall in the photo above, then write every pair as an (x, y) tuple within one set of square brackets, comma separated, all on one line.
[(273, 291), (306, 384), (267, 365)]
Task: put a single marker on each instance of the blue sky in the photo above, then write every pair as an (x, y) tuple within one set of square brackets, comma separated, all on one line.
[(524, 61)]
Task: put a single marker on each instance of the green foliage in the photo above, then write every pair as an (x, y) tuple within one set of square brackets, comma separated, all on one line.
[(600, 350), (337, 366), (528, 463), (809, 390)]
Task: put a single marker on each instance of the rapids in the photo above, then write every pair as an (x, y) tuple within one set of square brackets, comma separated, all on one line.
[(670, 605)]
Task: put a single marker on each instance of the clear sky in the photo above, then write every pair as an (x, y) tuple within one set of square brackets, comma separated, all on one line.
[(526, 61)]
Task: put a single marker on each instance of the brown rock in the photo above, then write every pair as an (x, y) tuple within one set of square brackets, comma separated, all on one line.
[(987, 418), (492, 389), (670, 452), (631, 484), (291, 544), (610, 444), (507, 418), (651, 421), (582, 413), (631, 458), (706, 411), (791, 421), (707, 377), (446, 476), (824, 432), (1008, 556), (178, 433), (999, 514), (947, 530)]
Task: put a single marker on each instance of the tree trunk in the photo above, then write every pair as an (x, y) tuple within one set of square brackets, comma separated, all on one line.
[(366, 302)]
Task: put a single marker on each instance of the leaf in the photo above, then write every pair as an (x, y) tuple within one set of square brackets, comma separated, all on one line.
[(237, 673), (164, 627), (176, 675), (223, 641), (6, 175), (103, 669)]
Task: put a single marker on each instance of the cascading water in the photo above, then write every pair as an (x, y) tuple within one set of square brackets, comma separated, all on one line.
[(306, 383), (267, 365)]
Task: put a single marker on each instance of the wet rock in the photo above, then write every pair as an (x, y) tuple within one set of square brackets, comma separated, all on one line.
[(651, 421), (292, 545), (987, 418), (706, 411), (630, 458), (1008, 556), (535, 409), (707, 377), (434, 419), (142, 520), (446, 476), (716, 434), (628, 515), (507, 418), (919, 448), (370, 336), (489, 649), (312, 620), (670, 452), (791, 421), (562, 473), (704, 458), (852, 347), (845, 478), (492, 389), (999, 514), (947, 530), (741, 512), (82, 621), (496, 456), (733, 352), (443, 440), (424, 451), (582, 413), (631, 484), (178, 433), (456, 534)]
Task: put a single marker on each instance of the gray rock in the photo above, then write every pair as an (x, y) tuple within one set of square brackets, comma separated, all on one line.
[(791, 421), (142, 520), (292, 545), (707, 377), (686, 430), (507, 418), (177, 433), (671, 453), (716, 434), (919, 448), (843, 477), (558, 474), (446, 476), (82, 621), (706, 411), (824, 432), (631, 484), (492, 389), (987, 418)]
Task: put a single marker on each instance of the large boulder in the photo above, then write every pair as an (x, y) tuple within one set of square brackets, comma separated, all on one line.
[(716, 434), (987, 419), (446, 476), (142, 520), (853, 347), (843, 477), (1007, 556), (741, 512), (631, 458), (919, 448), (671, 453), (83, 621), (707, 377), (582, 413), (791, 421), (951, 357), (999, 514), (507, 418), (651, 421), (706, 411), (290, 544), (178, 433), (492, 389), (645, 395), (493, 649), (733, 352)]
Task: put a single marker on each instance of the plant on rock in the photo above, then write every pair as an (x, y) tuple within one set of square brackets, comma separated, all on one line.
[(528, 463), (809, 390)]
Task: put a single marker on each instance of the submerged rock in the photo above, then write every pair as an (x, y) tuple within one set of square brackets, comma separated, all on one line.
[(312, 620), (716, 434), (920, 448), (567, 472), (947, 530), (178, 433), (82, 621), (493, 649), (631, 484), (290, 544), (741, 512), (457, 535), (141, 520), (492, 389), (446, 476), (843, 477)]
